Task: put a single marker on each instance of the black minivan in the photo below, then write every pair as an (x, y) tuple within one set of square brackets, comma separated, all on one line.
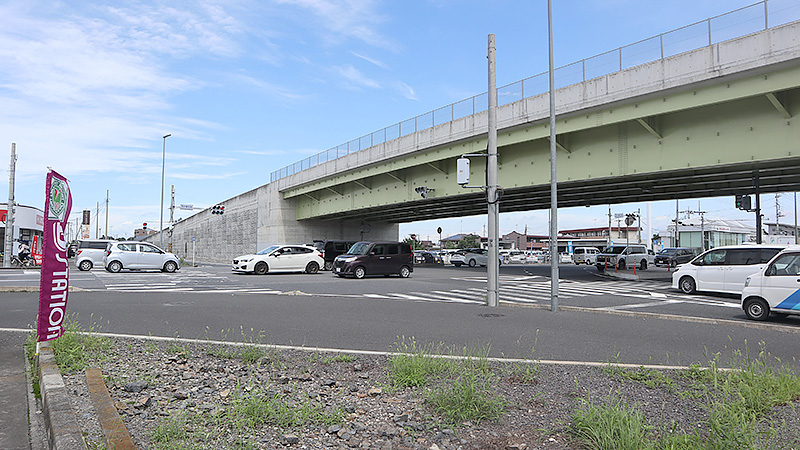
[(375, 258), (331, 249)]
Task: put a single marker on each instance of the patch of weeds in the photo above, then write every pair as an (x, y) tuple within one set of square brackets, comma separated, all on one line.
[(179, 350), (613, 426), (76, 348), (170, 430), (414, 365), (340, 358), (30, 353), (468, 398), (651, 378), (258, 408)]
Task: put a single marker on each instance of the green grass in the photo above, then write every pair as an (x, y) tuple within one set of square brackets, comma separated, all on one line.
[(258, 408), (468, 398), (737, 403), (77, 347), (414, 365)]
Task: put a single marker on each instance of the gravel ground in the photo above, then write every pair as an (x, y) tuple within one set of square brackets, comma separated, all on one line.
[(154, 382)]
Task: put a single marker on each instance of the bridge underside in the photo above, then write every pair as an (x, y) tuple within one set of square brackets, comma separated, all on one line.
[(775, 176), (700, 142)]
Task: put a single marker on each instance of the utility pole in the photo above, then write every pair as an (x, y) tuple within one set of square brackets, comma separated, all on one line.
[(639, 216), (493, 265), (97, 223), (107, 233), (677, 218), (757, 186), (553, 169), (778, 214), (608, 244), (9, 232), (171, 215)]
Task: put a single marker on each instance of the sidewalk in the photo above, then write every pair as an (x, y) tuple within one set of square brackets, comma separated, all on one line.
[(13, 393)]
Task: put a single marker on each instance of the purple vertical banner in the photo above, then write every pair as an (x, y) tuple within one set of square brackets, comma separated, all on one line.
[(54, 283)]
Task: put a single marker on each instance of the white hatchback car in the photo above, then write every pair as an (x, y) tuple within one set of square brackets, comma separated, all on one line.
[(775, 288), (138, 256), (281, 258)]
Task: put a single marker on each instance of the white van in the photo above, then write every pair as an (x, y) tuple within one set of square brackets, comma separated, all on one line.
[(775, 288), (723, 269), (584, 255)]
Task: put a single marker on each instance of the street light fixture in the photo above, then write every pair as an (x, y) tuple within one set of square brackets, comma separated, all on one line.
[(163, 160)]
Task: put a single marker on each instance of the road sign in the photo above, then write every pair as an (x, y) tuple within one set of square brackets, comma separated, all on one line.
[(194, 238), (186, 207)]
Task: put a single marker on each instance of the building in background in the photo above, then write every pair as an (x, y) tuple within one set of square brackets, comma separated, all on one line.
[(28, 223)]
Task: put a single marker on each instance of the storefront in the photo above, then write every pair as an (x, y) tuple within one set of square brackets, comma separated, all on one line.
[(28, 225)]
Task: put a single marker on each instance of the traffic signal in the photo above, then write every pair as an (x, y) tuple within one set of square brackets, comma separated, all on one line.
[(218, 209), (423, 191), (743, 202), (144, 226)]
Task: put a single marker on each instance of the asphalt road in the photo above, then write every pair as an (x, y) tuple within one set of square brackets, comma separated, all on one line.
[(345, 318)]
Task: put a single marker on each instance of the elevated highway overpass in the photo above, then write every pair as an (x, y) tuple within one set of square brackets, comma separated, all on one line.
[(695, 124)]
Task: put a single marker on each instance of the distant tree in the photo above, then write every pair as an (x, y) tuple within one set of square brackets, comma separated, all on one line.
[(413, 242), (469, 241)]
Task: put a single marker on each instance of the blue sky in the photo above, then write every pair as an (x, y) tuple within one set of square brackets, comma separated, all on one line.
[(247, 87)]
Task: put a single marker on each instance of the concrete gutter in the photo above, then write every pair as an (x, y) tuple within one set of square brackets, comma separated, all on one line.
[(61, 424)]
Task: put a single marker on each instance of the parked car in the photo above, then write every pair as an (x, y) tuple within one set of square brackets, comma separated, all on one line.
[(280, 258), (138, 256), (585, 255), (564, 258), (671, 257), (375, 258), (90, 253), (774, 288), (516, 257), (472, 257), (331, 249), (425, 257), (723, 269), (624, 256)]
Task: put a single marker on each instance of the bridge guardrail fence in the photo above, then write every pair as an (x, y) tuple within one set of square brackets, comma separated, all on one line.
[(713, 30)]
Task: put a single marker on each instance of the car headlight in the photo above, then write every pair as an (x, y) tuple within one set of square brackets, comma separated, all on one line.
[(348, 259), (245, 260)]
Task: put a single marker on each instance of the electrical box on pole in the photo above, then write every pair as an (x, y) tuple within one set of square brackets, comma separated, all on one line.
[(462, 166)]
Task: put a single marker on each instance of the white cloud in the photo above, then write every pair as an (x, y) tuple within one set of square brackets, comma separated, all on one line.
[(370, 60), (354, 76), (408, 91), (346, 18)]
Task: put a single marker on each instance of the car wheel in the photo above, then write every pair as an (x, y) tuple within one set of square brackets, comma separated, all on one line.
[(405, 272), (621, 265), (261, 268), (85, 265), (600, 267), (643, 265), (687, 285), (170, 267), (756, 308), (360, 272), (328, 265), (114, 267), (457, 264), (472, 263), (312, 267), (341, 275)]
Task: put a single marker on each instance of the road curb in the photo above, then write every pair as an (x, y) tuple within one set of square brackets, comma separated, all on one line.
[(116, 435), (61, 424)]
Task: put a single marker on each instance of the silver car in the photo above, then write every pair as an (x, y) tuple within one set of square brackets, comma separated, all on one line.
[(138, 256), (90, 253)]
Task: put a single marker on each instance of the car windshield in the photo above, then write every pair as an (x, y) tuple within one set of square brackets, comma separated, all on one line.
[(359, 248), (614, 250), (668, 251), (268, 250)]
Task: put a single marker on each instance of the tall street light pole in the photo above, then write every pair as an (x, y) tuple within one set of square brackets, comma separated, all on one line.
[(161, 221)]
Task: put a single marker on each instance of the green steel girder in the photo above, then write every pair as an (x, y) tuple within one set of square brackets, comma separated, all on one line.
[(700, 142)]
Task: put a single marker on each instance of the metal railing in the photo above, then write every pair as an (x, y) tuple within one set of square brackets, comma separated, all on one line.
[(733, 24)]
